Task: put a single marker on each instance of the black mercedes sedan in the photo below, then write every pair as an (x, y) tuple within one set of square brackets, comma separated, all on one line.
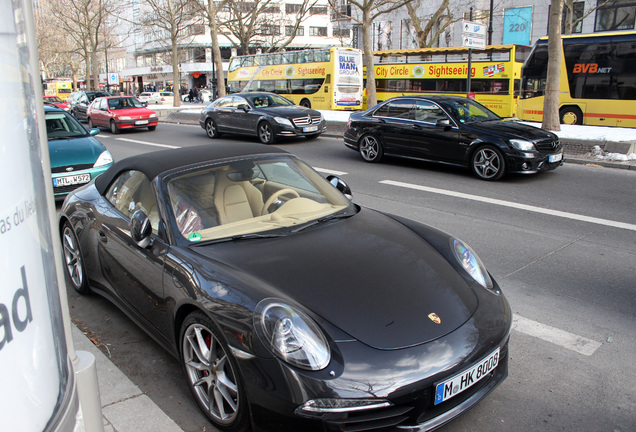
[(267, 116), (452, 130), (288, 306)]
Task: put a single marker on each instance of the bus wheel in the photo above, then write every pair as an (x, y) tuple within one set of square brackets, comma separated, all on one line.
[(305, 103), (370, 148), (571, 115), (265, 133)]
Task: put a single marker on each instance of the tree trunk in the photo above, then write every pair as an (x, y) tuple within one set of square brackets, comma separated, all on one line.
[(367, 41), (216, 52), (175, 73), (551, 102)]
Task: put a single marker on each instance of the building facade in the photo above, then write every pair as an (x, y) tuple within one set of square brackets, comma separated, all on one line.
[(143, 60)]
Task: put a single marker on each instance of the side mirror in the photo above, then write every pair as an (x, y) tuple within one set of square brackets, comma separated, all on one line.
[(145, 104), (339, 184), (93, 131), (244, 107), (140, 229), (446, 123)]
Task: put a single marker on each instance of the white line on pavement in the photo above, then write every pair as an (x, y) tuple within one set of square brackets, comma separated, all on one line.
[(330, 171), (526, 207), (554, 335), (147, 143)]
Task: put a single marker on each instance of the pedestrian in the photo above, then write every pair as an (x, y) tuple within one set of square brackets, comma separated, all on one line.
[(191, 95)]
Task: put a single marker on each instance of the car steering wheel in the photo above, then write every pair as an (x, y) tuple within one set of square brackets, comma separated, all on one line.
[(275, 196)]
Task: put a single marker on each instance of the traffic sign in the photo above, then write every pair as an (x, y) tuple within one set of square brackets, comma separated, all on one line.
[(473, 42), (113, 79), (473, 35)]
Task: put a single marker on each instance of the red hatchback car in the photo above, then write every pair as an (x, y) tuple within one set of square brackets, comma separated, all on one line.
[(120, 112)]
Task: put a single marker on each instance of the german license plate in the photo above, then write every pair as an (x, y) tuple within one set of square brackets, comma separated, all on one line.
[(466, 379), (555, 157), (71, 180), (140, 122), (310, 129)]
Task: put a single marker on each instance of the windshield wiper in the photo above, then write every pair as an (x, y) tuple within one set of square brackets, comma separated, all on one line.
[(238, 237), (323, 219)]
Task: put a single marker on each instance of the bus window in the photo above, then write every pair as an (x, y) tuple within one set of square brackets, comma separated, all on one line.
[(322, 55), (289, 57)]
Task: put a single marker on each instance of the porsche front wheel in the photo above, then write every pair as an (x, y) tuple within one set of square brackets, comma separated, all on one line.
[(212, 373)]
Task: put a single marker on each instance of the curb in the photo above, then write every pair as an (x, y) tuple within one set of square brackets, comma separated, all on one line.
[(125, 408)]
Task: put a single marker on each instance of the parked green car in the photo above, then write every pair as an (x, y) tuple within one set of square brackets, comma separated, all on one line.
[(76, 156)]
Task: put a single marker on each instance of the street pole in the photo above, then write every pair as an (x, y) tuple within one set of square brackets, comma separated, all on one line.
[(490, 23), (470, 51)]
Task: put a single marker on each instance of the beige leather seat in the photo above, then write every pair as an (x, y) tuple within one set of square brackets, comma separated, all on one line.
[(236, 200)]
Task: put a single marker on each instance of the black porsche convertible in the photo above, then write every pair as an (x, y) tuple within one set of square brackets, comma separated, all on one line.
[(289, 306)]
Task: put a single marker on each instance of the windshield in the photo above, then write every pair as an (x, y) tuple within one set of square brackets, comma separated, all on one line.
[(267, 100), (52, 99), (124, 103), (60, 125), (266, 196), (468, 111)]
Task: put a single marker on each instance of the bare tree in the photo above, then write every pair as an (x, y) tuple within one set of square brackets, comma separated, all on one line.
[(210, 12), (170, 20), (83, 21), (365, 13), (551, 101), (441, 18), (252, 24), (570, 20)]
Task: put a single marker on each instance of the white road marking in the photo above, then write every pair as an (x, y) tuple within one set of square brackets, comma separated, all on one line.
[(526, 207), (147, 143), (330, 171), (554, 335)]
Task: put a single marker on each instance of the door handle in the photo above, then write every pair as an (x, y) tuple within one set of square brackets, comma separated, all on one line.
[(102, 236)]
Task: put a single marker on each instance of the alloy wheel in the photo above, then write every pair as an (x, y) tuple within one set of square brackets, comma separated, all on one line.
[(370, 148), (488, 163), (210, 373)]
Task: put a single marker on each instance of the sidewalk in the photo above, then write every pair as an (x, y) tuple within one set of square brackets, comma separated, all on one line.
[(125, 407), (612, 147)]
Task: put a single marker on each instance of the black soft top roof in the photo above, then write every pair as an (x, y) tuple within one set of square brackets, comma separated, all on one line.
[(154, 163)]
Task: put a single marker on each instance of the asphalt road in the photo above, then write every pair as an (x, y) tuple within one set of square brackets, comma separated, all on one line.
[(561, 244)]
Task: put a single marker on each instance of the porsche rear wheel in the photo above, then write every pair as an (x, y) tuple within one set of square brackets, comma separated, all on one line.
[(212, 373), (73, 261)]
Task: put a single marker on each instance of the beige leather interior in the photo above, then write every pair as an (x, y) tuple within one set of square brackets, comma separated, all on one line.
[(236, 201)]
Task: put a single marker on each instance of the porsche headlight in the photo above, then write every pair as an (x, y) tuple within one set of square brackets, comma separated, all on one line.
[(292, 336), (471, 263), (104, 159)]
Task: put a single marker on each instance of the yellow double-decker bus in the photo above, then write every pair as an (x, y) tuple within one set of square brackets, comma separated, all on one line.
[(325, 78), (597, 85), (495, 74)]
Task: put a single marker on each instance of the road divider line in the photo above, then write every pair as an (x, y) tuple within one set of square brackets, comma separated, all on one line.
[(330, 171), (554, 335), (148, 143), (557, 213)]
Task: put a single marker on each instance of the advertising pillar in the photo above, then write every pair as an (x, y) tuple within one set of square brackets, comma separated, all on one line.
[(39, 391)]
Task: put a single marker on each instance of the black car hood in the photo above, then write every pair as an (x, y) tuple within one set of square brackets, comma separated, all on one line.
[(369, 275), (509, 129), (289, 111)]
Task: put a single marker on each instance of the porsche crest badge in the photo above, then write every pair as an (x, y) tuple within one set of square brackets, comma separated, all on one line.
[(436, 319)]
